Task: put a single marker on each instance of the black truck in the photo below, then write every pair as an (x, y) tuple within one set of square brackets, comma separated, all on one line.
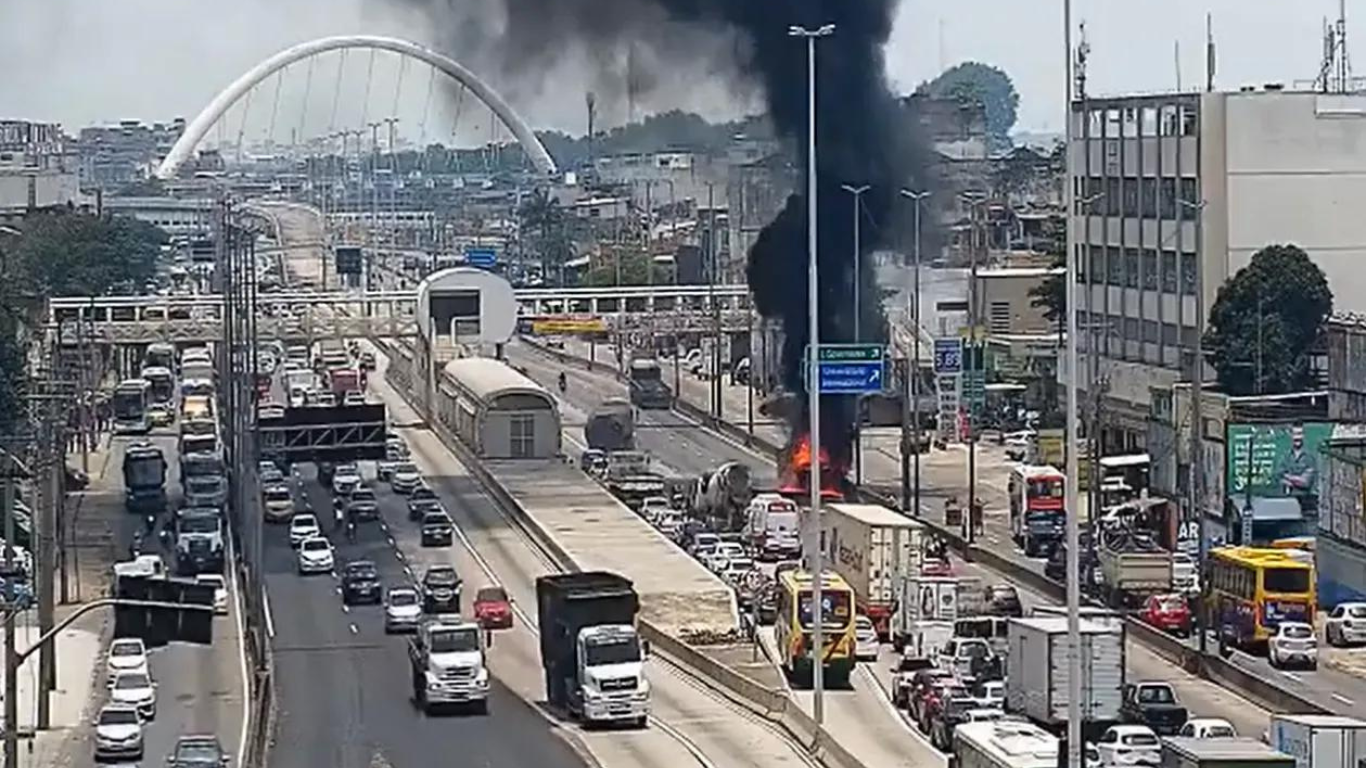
[(647, 386), (592, 616)]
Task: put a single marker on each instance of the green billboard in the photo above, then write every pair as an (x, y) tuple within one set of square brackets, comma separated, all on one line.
[(1272, 461)]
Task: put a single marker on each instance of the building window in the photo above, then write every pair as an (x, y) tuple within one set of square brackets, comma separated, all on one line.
[(1097, 263), (1110, 203), (1190, 198), (1079, 261), (1169, 334), (1169, 271), (1115, 326), (1188, 264), (1130, 268), (1130, 197), (1150, 331), (998, 317), (1148, 122), (1187, 336), (523, 435), (1166, 202), (1131, 328), (1190, 121), (1149, 269), (1115, 272), (1149, 193)]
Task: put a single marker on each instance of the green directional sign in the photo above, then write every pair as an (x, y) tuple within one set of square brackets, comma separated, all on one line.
[(847, 353)]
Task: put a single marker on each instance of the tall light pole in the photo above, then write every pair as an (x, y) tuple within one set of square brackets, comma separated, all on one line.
[(857, 192), (1197, 470), (910, 495), (1073, 529), (813, 390)]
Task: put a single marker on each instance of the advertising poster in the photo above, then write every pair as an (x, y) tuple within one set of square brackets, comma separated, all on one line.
[(1276, 461)]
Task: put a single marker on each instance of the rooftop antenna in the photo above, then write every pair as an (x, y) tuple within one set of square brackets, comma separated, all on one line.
[(1335, 68), (1083, 53), (1209, 52), (1176, 60), (590, 99)]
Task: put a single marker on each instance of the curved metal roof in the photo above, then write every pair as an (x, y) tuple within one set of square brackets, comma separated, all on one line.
[(488, 379)]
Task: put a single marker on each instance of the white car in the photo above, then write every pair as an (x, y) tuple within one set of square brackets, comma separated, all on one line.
[(652, 503), (1129, 745), (402, 609), (118, 733), (736, 568), (303, 527), (866, 646), (345, 478), (990, 695), (405, 477), (278, 502), (1208, 728), (725, 552), (315, 556), (1346, 624), (136, 690), (220, 590), (325, 400), (703, 541), (1293, 643), (127, 654), (1018, 444)]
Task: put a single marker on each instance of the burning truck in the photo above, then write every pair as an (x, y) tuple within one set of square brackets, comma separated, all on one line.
[(794, 474)]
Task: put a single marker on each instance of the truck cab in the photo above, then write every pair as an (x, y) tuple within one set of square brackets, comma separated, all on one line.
[(198, 540), (1154, 704), (448, 665), (611, 665)]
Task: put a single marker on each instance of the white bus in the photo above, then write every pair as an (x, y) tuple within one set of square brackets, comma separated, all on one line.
[(130, 402), (163, 383), (1004, 744)]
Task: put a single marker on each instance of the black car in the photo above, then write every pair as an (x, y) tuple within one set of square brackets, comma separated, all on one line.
[(421, 501), (441, 590), (197, 752), (1003, 600), (362, 504), (360, 583), (437, 529)]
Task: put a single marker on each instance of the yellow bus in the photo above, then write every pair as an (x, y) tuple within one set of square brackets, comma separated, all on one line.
[(1251, 590), (793, 624)]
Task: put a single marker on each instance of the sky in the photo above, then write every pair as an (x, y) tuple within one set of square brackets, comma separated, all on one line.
[(80, 62)]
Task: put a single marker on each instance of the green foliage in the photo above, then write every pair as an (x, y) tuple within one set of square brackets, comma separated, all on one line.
[(1267, 318), (634, 271), (1051, 295), (973, 82), (62, 253), (546, 233), (673, 130)]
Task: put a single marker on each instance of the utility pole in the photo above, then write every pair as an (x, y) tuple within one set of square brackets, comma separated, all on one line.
[(857, 193), (1197, 446), (715, 384), (1072, 532), (973, 362), (8, 465), (910, 491)]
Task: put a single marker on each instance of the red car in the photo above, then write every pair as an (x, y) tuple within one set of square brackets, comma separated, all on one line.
[(1169, 613), (492, 608)]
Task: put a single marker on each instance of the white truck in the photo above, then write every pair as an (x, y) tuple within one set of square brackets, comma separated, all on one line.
[(872, 547), (1037, 679), (773, 527), (446, 657), (1319, 741), (927, 608)]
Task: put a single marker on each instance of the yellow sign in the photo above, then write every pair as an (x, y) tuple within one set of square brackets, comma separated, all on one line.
[(568, 325)]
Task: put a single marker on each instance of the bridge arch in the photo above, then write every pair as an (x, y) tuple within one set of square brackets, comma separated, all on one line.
[(199, 127)]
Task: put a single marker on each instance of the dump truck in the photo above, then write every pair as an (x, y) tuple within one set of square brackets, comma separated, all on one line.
[(1132, 567), (446, 658), (593, 658), (611, 426), (647, 386)]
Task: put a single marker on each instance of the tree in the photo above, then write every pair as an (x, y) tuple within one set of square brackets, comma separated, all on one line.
[(64, 253), (1051, 295), (546, 232), (1265, 322), (634, 271), (973, 82)]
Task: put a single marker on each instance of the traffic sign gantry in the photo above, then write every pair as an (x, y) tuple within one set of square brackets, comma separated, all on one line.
[(851, 369)]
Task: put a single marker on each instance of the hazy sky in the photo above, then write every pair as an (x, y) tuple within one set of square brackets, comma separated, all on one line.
[(84, 61)]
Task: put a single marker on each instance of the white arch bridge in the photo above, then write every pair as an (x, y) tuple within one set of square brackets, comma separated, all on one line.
[(199, 127)]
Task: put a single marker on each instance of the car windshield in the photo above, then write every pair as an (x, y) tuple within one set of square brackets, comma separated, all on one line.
[(132, 682), (199, 524), (1139, 740), (1171, 603), (402, 597), (347, 470), (113, 716), (406, 468), (126, 649), (198, 753), (422, 493), (1220, 732), (618, 652), (211, 579), (304, 522), (1004, 593), (361, 571), (1156, 694), (1297, 631), (491, 595), (1357, 611), (441, 577), (973, 650), (277, 495), (455, 640), (316, 545), (435, 518)]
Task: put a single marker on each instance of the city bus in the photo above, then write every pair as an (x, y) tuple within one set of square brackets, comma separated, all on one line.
[(1251, 590), (163, 383), (1037, 498), (160, 355), (793, 624), (130, 402)]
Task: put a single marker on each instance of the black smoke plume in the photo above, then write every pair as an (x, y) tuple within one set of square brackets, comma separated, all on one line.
[(862, 136)]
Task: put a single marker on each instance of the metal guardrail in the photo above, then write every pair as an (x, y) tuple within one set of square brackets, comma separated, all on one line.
[(1213, 668)]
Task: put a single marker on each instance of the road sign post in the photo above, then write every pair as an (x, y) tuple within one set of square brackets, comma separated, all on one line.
[(850, 369)]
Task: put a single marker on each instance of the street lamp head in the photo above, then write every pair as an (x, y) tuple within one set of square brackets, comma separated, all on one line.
[(853, 190), (913, 195), (797, 30)]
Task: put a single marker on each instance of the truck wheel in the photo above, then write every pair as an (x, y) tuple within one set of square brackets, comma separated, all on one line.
[(643, 722)]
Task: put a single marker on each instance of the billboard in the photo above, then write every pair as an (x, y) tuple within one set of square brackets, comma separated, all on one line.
[(1276, 461), (543, 326)]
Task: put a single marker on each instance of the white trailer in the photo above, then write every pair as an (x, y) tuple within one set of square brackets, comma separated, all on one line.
[(1319, 741), (872, 548), (1037, 678), (927, 608), (1004, 744)]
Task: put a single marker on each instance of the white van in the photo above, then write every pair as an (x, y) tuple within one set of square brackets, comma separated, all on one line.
[(772, 527)]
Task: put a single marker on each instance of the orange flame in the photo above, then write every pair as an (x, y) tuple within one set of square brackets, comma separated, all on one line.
[(796, 475)]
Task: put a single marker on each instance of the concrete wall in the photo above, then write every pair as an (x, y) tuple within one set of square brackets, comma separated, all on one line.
[(1006, 304)]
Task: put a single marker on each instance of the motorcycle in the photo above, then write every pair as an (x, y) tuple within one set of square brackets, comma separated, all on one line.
[(564, 383)]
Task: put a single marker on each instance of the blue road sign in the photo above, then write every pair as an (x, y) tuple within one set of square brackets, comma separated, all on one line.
[(851, 378), (948, 355), (484, 258)]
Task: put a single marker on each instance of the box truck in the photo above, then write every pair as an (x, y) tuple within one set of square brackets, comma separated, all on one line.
[(1319, 741), (1037, 679), (872, 548)]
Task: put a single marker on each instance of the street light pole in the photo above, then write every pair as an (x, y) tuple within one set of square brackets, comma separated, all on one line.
[(910, 497), (1072, 534), (813, 378), (1197, 465), (857, 192)]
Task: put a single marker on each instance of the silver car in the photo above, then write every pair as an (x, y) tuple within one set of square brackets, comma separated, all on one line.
[(402, 609), (134, 689), (118, 733)]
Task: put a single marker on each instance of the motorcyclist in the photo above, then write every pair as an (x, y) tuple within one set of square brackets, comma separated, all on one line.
[(135, 548), (350, 530), (564, 382)]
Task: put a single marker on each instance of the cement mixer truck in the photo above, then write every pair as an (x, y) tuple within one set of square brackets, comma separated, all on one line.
[(611, 426), (720, 496)]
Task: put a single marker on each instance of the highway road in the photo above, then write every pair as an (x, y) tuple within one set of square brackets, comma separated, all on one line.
[(200, 689)]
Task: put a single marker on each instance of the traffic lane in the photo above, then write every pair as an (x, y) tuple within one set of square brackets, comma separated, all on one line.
[(200, 689), (729, 737), (676, 441)]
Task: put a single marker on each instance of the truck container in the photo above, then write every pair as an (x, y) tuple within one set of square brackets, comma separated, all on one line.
[(591, 654), (1319, 741), (345, 380), (1132, 568), (927, 608), (1037, 680), (611, 426), (1186, 752), (872, 547)]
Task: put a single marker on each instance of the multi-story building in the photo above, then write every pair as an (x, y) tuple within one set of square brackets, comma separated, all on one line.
[(112, 156), (1173, 186), (176, 216)]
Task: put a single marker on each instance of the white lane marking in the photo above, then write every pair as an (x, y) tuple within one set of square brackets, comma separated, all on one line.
[(1292, 676), (270, 617), (354, 630), (1344, 699), (397, 551), (391, 541), (346, 608)]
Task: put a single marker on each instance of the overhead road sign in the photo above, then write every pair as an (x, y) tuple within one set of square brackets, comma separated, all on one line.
[(851, 369), (483, 258)]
